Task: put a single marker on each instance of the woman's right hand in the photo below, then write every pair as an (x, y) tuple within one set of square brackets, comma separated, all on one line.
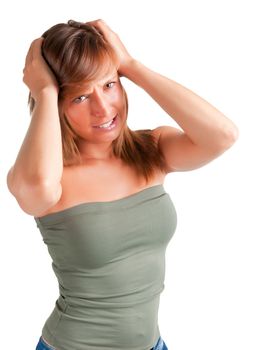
[(37, 74)]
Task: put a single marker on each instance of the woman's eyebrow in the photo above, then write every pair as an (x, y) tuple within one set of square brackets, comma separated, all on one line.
[(107, 78), (89, 89), (112, 76)]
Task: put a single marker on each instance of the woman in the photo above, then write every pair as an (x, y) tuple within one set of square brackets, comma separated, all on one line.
[(95, 187)]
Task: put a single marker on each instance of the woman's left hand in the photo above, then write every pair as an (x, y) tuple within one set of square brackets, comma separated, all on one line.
[(125, 59)]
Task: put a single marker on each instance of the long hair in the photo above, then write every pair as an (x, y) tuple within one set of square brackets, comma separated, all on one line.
[(78, 53)]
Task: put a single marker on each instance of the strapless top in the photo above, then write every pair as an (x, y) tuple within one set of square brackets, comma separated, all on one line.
[(109, 260)]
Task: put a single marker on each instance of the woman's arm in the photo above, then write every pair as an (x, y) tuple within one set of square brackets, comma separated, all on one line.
[(208, 133), (39, 165), (204, 124)]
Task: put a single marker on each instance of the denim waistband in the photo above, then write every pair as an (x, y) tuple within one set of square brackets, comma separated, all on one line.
[(43, 346), (160, 345)]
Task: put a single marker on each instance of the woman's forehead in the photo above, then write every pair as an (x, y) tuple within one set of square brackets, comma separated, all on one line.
[(101, 73), (105, 76), (101, 80)]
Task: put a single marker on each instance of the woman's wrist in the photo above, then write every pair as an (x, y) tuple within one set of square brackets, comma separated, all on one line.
[(46, 93), (129, 70)]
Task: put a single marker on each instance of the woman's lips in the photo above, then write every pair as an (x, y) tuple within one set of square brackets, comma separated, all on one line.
[(97, 126), (108, 128)]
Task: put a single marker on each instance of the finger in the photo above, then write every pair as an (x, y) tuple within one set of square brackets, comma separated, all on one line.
[(29, 56), (37, 47), (98, 28), (100, 24), (97, 21)]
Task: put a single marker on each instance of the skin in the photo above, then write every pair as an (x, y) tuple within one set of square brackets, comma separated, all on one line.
[(97, 105), (37, 75), (101, 104)]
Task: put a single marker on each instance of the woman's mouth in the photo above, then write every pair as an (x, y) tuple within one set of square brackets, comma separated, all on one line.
[(107, 126)]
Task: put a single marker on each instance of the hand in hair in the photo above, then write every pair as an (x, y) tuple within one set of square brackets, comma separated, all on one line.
[(125, 59), (37, 74)]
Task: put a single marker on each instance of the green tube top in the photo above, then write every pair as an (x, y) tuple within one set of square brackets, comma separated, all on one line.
[(109, 260)]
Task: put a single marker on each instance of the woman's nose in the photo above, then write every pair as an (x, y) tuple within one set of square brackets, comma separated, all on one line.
[(99, 105)]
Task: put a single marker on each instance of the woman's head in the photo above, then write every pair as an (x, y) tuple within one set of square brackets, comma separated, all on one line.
[(85, 64), (90, 92), (78, 54)]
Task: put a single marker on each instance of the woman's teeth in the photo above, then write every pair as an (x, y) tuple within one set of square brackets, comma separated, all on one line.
[(106, 125)]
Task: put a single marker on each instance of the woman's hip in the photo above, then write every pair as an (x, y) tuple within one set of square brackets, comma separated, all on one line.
[(42, 345)]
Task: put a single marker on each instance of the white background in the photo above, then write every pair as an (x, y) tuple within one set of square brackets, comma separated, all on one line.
[(218, 264)]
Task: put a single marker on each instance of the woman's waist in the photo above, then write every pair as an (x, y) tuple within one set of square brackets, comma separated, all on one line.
[(123, 298), (74, 301), (133, 327)]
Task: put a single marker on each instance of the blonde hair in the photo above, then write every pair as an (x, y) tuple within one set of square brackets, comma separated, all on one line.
[(78, 53)]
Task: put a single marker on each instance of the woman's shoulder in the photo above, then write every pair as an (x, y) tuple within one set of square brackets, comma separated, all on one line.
[(154, 132)]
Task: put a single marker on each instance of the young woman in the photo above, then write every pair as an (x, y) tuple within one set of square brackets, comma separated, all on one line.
[(95, 187)]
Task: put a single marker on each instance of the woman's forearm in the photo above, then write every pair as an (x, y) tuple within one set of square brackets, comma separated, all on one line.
[(40, 159), (203, 123)]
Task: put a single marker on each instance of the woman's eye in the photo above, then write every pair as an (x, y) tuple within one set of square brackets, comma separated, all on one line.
[(80, 99), (112, 82), (84, 97)]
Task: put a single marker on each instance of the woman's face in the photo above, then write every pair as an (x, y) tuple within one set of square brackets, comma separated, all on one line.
[(102, 102)]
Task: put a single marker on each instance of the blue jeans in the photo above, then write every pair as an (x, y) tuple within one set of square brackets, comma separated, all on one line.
[(43, 346), (160, 345)]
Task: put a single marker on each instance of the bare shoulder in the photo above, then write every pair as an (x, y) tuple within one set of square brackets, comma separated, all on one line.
[(156, 132), (164, 129)]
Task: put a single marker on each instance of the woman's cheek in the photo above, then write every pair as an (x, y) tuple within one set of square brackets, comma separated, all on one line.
[(76, 114)]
